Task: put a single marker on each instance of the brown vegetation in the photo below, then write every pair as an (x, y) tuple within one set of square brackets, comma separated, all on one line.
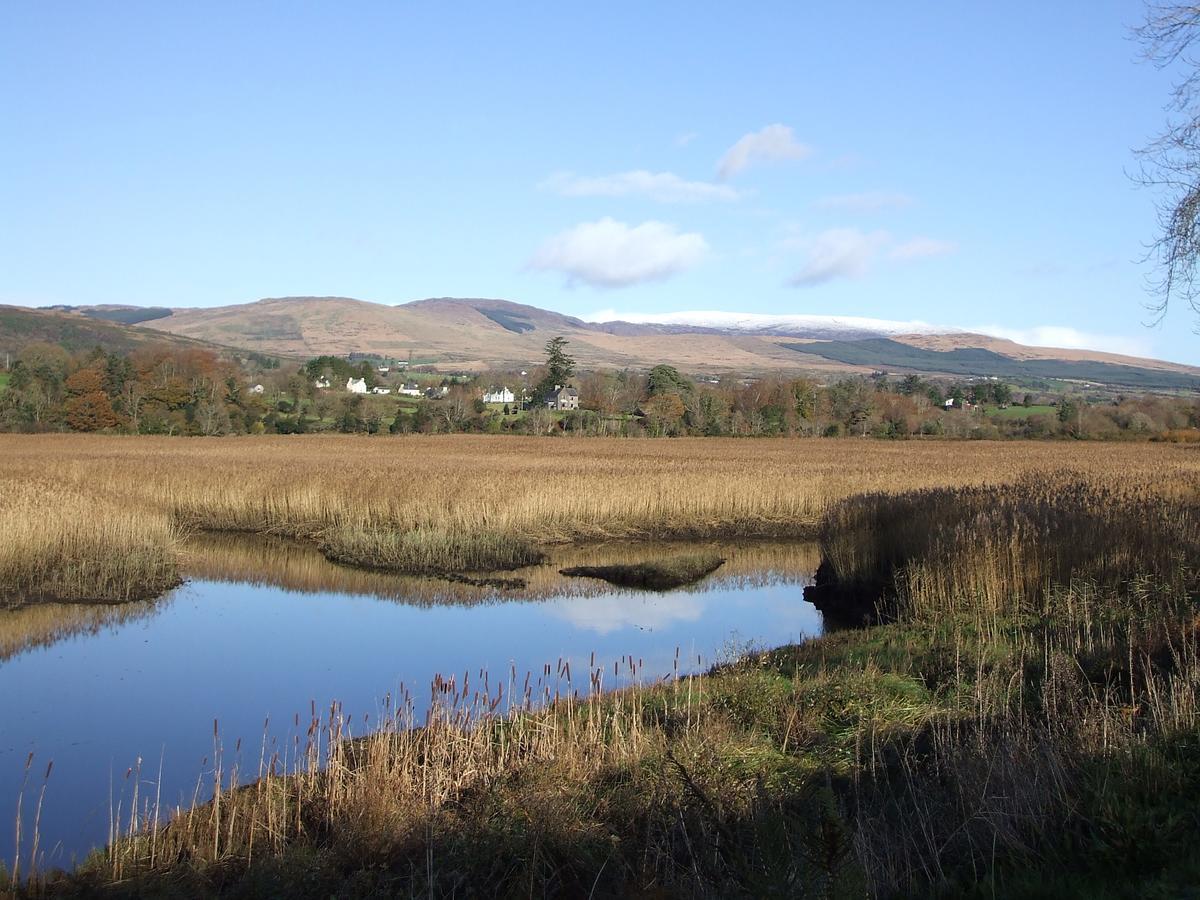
[(1042, 748), (70, 542), (92, 517), (1026, 720)]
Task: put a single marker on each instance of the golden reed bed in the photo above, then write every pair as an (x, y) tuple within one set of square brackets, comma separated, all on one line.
[(78, 511)]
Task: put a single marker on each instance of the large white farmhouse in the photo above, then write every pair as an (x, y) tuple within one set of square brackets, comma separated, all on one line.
[(499, 395), (357, 385)]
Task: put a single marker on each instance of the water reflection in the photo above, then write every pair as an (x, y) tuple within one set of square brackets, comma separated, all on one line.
[(267, 629), (630, 611), (44, 624), (294, 566)]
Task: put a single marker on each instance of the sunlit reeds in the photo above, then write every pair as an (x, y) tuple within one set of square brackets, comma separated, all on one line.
[(446, 501), (65, 542)]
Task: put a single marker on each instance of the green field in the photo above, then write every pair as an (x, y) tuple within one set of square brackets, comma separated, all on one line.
[(1020, 412), (3, 380)]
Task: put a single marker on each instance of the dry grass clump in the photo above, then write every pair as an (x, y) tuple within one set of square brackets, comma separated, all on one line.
[(427, 551), (65, 542), (655, 574), (995, 552)]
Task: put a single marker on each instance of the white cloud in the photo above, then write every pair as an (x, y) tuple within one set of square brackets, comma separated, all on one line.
[(682, 140), (851, 252), (837, 253), (611, 254), (1068, 338), (921, 248), (775, 142), (865, 202), (666, 187)]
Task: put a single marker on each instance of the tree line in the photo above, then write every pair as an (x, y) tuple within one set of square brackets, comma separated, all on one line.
[(196, 392)]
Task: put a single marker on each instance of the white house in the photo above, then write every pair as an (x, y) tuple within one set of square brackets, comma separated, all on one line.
[(257, 389), (381, 390), (502, 395), (321, 382), (410, 389), (357, 385), (949, 404)]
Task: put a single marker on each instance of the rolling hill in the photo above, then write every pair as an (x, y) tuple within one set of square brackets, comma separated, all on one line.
[(479, 334), (77, 331)]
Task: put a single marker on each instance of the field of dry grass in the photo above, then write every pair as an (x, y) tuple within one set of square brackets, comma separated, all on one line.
[(78, 542), (111, 506), (1029, 711)]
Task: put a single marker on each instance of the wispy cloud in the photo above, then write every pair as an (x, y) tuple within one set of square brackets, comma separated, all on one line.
[(921, 248), (851, 252), (682, 140), (865, 202), (666, 187), (770, 144), (837, 253), (612, 254), (1069, 338)]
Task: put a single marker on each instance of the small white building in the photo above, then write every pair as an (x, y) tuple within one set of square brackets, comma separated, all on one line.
[(357, 385), (257, 389), (321, 382), (410, 389), (381, 390), (949, 404), (499, 395), (383, 370)]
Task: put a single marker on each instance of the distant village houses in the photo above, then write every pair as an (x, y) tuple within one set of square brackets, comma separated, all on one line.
[(321, 382), (563, 398), (410, 389), (357, 385), (499, 395), (381, 390)]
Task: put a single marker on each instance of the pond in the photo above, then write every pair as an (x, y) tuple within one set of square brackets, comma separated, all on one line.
[(263, 631)]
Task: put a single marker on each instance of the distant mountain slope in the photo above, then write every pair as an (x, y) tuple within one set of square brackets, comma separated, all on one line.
[(78, 332), (126, 315), (486, 333), (977, 361)]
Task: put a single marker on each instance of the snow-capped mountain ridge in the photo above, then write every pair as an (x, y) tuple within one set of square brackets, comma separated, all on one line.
[(823, 326)]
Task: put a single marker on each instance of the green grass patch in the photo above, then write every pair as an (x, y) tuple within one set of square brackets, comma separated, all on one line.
[(1020, 412)]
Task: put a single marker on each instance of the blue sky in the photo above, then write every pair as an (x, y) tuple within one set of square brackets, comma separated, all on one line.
[(957, 164)]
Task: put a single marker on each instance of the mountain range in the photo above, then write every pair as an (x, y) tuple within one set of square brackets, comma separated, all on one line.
[(480, 334)]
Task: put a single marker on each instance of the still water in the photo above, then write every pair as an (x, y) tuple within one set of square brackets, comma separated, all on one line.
[(264, 630)]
